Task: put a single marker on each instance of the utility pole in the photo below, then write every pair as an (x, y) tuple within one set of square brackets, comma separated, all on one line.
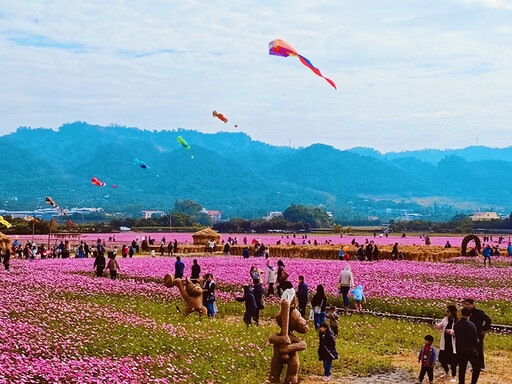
[(170, 220)]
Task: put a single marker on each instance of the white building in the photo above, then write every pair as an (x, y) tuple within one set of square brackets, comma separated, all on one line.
[(214, 215), (149, 214), (484, 216)]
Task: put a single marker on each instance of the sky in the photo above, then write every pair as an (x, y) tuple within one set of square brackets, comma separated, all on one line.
[(410, 74)]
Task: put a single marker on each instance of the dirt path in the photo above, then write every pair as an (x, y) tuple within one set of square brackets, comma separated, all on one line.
[(498, 371)]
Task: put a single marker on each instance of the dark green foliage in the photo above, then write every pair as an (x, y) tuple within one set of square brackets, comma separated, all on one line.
[(238, 176)]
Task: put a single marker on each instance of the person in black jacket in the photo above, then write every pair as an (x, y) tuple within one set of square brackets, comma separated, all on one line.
[(258, 296), (302, 296), (196, 271), (7, 258), (482, 323), (326, 349), (369, 251), (319, 304), (99, 263), (466, 341), (209, 295), (250, 305)]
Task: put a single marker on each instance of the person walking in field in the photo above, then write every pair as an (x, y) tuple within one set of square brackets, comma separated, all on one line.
[(427, 357), (482, 323), (99, 263), (332, 315), (345, 283), (358, 297), (196, 271), (6, 258), (113, 266), (319, 303), (179, 268), (270, 278), (466, 339), (302, 296), (282, 277), (487, 253), (394, 252), (250, 306), (209, 295), (447, 346), (326, 349)]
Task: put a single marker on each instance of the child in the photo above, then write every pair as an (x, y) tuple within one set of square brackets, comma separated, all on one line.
[(358, 297), (326, 349), (332, 315), (113, 265), (427, 358), (250, 305)]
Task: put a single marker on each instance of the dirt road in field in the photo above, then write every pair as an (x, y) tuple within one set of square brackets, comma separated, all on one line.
[(498, 371)]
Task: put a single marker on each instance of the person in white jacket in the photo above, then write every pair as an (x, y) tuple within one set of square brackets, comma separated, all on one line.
[(447, 348), (345, 283), (270, 278)]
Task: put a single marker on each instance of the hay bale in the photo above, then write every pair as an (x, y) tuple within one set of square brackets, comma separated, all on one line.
[(203, 236)]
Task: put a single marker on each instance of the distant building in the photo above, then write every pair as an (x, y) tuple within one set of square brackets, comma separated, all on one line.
[(149, 214), (409, 217), (214, 215), (274, 214), (48, 213), (484, 216)]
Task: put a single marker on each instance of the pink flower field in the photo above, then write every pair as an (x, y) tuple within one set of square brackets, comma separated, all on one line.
[(60, 324), (128, 237)]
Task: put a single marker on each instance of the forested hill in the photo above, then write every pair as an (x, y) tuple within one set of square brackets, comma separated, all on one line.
[(231, 172)]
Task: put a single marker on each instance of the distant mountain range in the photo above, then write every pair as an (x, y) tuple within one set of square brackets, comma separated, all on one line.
[(239, 176)]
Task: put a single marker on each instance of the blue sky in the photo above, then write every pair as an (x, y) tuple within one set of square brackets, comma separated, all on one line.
[(410, 74)]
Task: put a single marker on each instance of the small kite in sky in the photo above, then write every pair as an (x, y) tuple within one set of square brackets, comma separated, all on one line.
[(140, 163), (95, 181), (114, 186), (183, 142), (280, 47), (219, 116), (5, 222), (50, 201)]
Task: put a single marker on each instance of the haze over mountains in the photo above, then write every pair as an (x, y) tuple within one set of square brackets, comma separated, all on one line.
[(241, 177)]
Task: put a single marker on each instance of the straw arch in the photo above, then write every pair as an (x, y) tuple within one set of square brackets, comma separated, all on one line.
[(467, 239)]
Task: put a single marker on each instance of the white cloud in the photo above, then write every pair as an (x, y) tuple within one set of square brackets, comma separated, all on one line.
[(409, 75)]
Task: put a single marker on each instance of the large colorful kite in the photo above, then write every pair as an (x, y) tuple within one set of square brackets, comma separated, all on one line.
[(280, 47), (5, 222), (95, 181), (50, 201), (219, 116), (183, 142), (140, 163)]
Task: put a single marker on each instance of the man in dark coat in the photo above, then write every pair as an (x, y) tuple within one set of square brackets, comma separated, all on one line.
[(179, 267), (369, 251), (250, 304), (482, 323), (175, 246), (7, 258), (258, 296), (99, 263), (326, 349), (466, 341), (361, 255), (196, 271), (302, 296)]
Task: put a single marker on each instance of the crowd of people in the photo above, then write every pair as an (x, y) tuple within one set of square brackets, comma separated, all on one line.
[(462, 337), (462, 342)]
